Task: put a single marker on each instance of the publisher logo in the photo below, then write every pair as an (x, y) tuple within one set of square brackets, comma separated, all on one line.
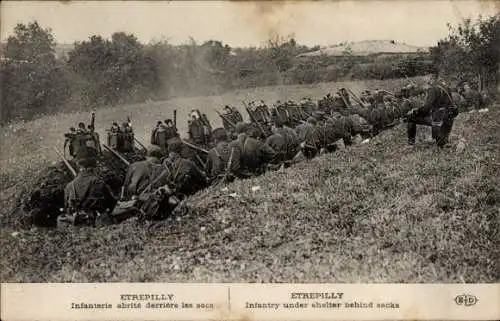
[(466, 300)]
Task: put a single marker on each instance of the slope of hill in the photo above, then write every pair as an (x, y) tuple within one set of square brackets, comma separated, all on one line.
[(368, 47), (376, 212)]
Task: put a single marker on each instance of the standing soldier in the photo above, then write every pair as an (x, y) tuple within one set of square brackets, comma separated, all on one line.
[(438, 112), (86, 197)]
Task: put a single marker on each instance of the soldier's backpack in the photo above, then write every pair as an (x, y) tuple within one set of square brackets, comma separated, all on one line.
[(128, 142), (82, 142), (160, 137), (197, 131), (113, 140)]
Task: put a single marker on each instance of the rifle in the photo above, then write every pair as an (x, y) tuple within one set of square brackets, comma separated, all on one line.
[(66, 162), (345, 101), (387, 92), (140, 144), (356, 98), (117, 155), (225, 118), (253, 119), (92, 122), (194, 146)]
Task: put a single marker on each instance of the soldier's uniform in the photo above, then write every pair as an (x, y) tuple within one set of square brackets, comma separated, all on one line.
[(149, 173), (334, 129), (146, 190), (86, 197), (438, 112), (185, 176), (308, 136), (285, 143), (254, 154), (360, 125), (218, 161)]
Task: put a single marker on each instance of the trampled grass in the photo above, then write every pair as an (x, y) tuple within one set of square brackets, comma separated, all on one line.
[(376, 212)]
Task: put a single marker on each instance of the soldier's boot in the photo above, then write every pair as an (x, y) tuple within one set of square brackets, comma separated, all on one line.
[(445, 131), (412, 132)]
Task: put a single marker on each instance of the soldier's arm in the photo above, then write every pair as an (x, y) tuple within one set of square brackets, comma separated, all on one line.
[(430, 99)]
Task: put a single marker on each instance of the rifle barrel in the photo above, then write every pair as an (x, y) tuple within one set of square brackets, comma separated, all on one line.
[(194, 146), (117, 155), (253, 120), (66, 162), (225, 118), (140, 144)]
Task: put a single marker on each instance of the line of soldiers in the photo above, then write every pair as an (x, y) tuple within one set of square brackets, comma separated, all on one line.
[(279, 136)]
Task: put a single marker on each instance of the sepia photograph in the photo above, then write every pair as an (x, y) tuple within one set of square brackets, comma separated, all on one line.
[(250, 142)]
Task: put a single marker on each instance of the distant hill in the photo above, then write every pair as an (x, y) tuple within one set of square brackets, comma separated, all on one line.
[(368, 47)]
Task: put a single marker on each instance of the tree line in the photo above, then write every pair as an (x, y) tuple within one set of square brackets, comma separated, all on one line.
[(100, 72)]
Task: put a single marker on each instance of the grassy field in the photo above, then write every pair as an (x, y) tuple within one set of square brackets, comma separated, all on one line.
[(27, 147), (376, 212)]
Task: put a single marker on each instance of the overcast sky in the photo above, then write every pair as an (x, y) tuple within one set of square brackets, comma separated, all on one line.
[(418, 22)]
